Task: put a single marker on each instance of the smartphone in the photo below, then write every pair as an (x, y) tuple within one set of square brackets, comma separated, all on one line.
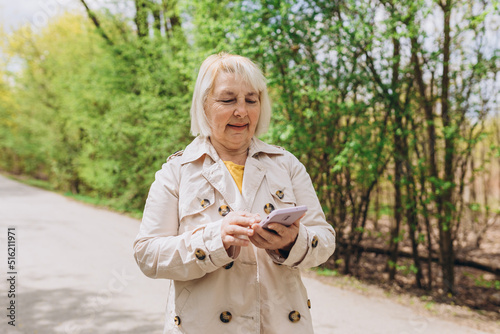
[(286, 216)]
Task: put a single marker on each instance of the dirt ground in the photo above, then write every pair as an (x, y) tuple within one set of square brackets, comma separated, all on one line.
[(424, 306), (471, 305)]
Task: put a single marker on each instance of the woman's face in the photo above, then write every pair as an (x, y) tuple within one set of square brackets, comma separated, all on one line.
[(233, 110)]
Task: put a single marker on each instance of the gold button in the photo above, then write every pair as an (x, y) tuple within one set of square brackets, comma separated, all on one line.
[(309, 303), (294, 316), (224, 210), (177, 320), (280, 194), (200, 254), (314, 242), (205, 203), (229, 265), (268, 208), (226, 317)]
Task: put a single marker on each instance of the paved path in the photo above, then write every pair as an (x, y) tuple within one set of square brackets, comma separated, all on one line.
[(76, 274)]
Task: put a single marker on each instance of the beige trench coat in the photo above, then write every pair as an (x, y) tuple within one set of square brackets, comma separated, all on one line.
[(253, 290)]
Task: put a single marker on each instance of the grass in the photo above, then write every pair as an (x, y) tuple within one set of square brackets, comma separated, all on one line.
[(104, 203), (339, 280), (32, 182), (107, 203), (325, 271)]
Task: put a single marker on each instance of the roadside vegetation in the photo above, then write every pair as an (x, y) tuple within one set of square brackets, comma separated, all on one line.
[(393, 107)]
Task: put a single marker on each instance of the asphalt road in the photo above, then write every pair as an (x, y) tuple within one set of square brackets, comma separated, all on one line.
[(74, 272)]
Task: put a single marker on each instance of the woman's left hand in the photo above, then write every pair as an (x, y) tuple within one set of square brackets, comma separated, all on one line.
[(276, 236)]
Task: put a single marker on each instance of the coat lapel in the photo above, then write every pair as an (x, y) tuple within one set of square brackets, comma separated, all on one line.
[(217, 175), (252, 179)]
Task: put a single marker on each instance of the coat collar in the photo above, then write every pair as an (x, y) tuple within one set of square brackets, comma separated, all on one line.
[(217, 175), (201, 145)]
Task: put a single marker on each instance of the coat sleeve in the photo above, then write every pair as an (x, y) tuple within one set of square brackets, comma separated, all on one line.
[(160, 251), (316, 239)]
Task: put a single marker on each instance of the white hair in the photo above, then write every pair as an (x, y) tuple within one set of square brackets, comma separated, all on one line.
[(242, 67)]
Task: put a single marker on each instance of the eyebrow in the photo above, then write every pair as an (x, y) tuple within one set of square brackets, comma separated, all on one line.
[(231, 93)]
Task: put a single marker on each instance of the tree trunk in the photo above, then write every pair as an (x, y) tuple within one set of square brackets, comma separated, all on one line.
[(394, 239), (446, 205), (412, 220), (398, 131), (157, 24), (141, 18)]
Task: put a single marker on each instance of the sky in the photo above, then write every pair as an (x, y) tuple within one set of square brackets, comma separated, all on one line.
[(37, 13), (13, 14)]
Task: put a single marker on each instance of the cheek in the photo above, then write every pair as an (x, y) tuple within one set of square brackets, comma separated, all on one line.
[(254, 114), (217, 116)]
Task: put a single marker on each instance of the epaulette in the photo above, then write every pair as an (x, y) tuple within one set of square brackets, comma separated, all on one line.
[(176, 154), (281, 148)]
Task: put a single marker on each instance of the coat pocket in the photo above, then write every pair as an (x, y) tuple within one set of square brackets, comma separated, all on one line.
[(281, 191)]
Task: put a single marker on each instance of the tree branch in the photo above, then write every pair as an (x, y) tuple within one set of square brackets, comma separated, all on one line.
[(457, 261), (96, 23)]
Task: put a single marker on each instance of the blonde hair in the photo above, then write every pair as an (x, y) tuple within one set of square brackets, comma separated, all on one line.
[(242, 67)]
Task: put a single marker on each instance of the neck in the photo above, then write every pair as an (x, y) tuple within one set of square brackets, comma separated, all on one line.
[(238, 156)]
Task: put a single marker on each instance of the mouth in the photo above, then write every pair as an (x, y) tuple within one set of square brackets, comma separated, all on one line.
[(238, 126)]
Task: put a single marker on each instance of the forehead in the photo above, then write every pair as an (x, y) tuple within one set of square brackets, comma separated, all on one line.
[(232, 84)]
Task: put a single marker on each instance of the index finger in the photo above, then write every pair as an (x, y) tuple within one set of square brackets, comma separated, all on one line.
[(242, 220), (297, 222), (249, 214)]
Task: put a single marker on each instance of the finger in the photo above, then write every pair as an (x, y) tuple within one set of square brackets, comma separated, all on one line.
[(297, 222), (243, 213), (238, 230), (258, 241), (267, 236), (256, 216), (278, 228), (247, 214), (234, 241), (241, 220)]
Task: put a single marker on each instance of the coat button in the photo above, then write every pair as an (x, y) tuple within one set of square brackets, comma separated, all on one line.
[(224, 210), (205, 203), (177, 320), (268, 208), (314, 242), (229, 265), (309, 303), (280, 194), (200, 254), (294, 316), (226, 317)]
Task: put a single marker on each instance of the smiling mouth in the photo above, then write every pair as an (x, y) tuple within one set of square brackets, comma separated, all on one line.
[(238, 126)]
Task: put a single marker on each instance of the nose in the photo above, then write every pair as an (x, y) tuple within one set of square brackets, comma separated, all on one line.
[(241, 108)]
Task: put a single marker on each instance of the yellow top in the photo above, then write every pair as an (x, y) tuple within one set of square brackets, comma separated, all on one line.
[(236, 172)]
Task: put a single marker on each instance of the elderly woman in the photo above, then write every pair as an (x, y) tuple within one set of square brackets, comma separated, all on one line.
[(201, 221)]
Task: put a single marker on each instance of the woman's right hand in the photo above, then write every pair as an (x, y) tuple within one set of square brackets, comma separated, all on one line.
[(235, 226)]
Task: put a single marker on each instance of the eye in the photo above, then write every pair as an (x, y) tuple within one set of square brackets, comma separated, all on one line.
[(228, 101), (251, 101)]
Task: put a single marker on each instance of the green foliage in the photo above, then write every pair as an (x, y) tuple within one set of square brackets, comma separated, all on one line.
[(480, 281), (325, 271), (358, 91), (91, 118)]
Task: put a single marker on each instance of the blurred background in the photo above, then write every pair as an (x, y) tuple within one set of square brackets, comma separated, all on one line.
[(393, 107)]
